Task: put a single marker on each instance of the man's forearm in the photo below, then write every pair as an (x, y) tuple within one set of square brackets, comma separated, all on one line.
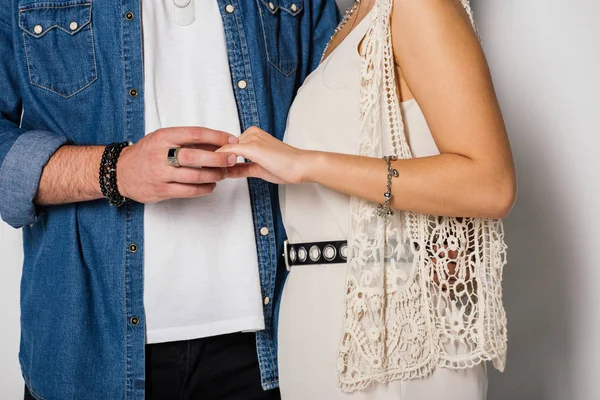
[(144, 175), (71, 176)]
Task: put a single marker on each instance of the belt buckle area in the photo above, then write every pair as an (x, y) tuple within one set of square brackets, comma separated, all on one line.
[(286, 255)]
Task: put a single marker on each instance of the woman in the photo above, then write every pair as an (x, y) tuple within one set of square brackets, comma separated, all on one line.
[(410, 307)]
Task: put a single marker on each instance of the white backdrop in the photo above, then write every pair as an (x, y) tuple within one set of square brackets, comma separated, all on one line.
[(11, 258), (545, 60)]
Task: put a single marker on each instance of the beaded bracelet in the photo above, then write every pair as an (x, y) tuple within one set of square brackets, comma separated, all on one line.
[(108, 174), (385, 209)]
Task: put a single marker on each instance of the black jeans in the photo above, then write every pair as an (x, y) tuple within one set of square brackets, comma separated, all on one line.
[(218, 368)]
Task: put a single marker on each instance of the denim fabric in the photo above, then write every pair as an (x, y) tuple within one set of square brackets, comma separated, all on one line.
[(66, 71)]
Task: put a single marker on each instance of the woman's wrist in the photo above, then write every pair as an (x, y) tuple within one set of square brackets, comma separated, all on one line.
[(311, 163)]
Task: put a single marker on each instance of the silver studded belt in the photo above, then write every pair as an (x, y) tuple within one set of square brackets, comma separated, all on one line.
[(315, 253)]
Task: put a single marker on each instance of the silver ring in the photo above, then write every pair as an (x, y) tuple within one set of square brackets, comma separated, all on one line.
[(172, 156)]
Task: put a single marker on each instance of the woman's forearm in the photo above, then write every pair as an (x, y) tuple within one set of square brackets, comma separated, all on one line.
[(446, 184)]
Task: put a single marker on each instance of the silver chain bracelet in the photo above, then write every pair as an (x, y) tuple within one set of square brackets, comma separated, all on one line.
[(385, 209)]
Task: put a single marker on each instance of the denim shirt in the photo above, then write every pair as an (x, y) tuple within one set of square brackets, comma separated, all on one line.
[(71, 72)]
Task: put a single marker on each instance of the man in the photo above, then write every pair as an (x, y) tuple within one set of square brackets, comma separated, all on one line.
[(168, 293)]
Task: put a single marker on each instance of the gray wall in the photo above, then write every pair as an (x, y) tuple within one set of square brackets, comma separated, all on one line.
[(545, 57), (11, 383), (344, 3)]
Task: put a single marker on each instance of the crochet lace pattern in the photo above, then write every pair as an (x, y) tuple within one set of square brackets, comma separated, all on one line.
[(422, 291)]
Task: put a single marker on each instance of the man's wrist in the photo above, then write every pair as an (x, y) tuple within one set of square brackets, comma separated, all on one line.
[(95, 159), (108, 173), (121, 180)]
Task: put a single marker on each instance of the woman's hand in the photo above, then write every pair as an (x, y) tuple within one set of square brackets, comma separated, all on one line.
[(272, 160)]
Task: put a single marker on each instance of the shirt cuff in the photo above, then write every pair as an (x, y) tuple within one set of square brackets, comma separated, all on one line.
[(20, 175)]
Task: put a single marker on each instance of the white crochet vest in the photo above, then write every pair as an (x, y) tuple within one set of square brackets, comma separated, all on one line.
[(406, 304)]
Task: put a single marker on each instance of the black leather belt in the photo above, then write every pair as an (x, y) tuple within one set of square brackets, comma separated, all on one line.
[(315, 253)]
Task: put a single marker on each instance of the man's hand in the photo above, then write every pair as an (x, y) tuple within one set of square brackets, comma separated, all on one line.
[(143, 172), (144, 175)]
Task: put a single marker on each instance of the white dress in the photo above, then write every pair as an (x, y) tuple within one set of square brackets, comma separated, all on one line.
[(324, 117)]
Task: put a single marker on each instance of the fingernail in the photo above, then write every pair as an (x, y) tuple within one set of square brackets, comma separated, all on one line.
[(233, 140), (232, 160)]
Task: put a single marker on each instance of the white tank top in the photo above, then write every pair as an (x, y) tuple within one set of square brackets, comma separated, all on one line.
[(325, 117)]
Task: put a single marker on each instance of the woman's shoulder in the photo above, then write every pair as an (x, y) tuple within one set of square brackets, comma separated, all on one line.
[(443, 26)]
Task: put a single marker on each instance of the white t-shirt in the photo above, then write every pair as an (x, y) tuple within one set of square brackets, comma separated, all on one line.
[(201, 264)]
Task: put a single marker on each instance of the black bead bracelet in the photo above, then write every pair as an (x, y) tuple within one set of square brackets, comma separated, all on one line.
[(108, 174)]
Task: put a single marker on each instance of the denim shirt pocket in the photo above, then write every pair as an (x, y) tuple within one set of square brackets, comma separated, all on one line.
[(59, 45), (281, 29)]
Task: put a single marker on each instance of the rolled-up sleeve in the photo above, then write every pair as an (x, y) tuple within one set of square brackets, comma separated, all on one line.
[(20, 175), (23, 154)]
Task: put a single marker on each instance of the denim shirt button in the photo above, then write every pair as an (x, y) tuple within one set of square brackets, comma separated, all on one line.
[(38, 29), (134, 321), (267, 300), (242, 84), (74, 25), (133, 248), (230, 8), (264, 231), (129, 16), (133, 92)]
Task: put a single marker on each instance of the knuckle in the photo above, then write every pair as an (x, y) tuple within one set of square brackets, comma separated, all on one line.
[(210, 188), (222, 174), (199, 190), (210, 160), (159, 134), (221, 135), (156, 156), (190, 191), (212, 176), (216, 175), (183, 157), (162, 174), (197, 159), (223, 159), (198, 133), (161, 191), (197, 176)]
